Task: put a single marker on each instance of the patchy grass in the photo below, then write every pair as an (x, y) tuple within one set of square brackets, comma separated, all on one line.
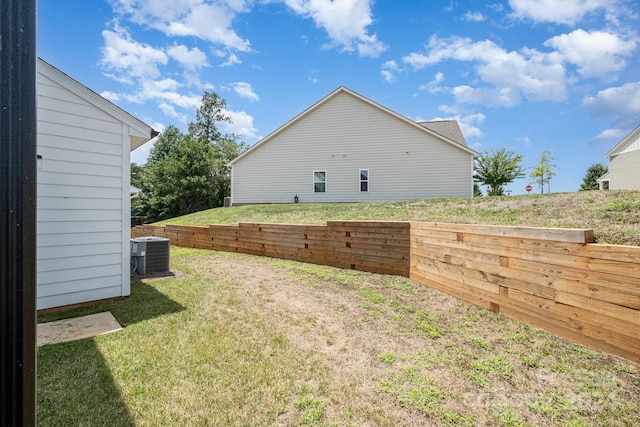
[(242, 340), (613, 215)]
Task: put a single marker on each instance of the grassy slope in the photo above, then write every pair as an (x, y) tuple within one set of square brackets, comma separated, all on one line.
[(239, 340), (613, 215)]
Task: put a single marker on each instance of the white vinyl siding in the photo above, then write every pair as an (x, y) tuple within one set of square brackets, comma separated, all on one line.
[(624, 171), (624, 164), (340, 135), (83, 217)]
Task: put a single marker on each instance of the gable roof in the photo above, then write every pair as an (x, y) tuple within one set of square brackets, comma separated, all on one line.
[(139, 132), (634, 135), (447, 128), (443, 130)]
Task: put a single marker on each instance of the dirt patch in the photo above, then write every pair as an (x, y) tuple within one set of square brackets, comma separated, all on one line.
[(394, 352)]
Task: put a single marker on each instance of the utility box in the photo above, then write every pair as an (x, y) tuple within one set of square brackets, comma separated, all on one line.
[(150, 254)]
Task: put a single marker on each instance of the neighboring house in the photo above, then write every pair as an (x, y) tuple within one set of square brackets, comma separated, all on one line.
[(624, 165), (135, 191), (83, 213), (347, 148)]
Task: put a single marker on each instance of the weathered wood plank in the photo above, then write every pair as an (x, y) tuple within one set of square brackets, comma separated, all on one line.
[(462, 292), (556, 234), (531, 318), (595, 325)]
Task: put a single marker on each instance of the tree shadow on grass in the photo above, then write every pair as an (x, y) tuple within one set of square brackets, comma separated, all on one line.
[(75, 387)]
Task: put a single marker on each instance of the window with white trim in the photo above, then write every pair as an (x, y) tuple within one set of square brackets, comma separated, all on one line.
[(364, 180), (319, 181)]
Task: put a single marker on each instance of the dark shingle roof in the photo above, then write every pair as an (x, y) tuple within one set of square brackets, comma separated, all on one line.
[(447, 128)]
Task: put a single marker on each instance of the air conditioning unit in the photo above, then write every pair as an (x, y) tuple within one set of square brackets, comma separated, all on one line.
[(149, 254)]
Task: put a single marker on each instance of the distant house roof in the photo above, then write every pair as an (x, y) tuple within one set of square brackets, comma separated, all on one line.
[(447, 128), (632, 137)]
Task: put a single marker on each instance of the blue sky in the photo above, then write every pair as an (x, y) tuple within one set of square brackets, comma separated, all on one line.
[(530, 75)]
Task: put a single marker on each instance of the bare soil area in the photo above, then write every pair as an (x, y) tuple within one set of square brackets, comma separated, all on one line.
[(389, 351)]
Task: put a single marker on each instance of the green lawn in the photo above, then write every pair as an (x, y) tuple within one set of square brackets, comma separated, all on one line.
[(613, 215), (237, 340)]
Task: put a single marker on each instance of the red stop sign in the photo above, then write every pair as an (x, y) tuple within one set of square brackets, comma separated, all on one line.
[(528, 188)]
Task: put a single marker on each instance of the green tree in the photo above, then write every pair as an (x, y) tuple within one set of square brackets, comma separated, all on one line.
[(137, 180), (137, 175), (181, 183), (543, 172), (162, 148), (477, 191), (211, 111), (226, 149), (495, 169), (225, 146), (186, 173), (590, 180)]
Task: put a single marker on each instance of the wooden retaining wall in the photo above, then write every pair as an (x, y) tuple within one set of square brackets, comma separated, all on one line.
[(375, 246), (557, 280)]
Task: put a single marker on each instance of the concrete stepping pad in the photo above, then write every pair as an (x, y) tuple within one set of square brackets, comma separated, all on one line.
[(77, 328)]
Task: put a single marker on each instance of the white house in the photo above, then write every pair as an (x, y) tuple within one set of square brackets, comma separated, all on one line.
[(347, 148), (83, 216), (624, 165)]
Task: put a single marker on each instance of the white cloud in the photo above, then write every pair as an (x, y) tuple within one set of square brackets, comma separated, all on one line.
[(595, 53), (111, 96), (242, 124), (245, 91), (124, 56), (434, 85), (490, 96), (204, 19), (623, 102), (345, 22), (474, 17), (609, 135), (313, 76), (559, 12), (509, 75), (389, 70), (191, 59), (232, 60), (139, 65), (155, 86), (168, 110)]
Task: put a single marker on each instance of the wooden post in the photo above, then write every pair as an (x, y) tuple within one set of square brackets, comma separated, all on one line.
[(17, 212)]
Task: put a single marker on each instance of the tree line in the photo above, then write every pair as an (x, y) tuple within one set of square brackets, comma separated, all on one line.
[(188, 172)]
